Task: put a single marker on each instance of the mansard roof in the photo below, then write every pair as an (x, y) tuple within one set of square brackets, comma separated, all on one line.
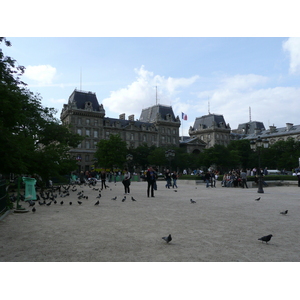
[(80, 98), (250, 127), (150, 114), (273, 131), (209, 121), (124, 123)]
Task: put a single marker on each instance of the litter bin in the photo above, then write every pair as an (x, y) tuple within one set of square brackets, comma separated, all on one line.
[(30, 193)]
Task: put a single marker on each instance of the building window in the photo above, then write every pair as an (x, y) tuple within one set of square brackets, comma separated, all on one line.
[(95, 144), (96, 122), (79, 145), (79, 131), (95, 133), (87, 132), (163, 139), (131, 136), (169, 131), (87, 121), (87, 158), (174, 131), (144, 138), (107, 134), (163, 130), (87, 144), (79, 121)]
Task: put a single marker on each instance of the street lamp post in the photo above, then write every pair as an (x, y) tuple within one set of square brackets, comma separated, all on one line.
[(170, 154), (257, 145)]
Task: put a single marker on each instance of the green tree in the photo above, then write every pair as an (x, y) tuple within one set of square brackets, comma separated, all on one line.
[(111, 153), (32, 140)]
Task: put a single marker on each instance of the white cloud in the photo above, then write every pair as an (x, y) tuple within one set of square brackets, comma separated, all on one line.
[(243, 82), (43, 74), (142, 92), (292, 45)]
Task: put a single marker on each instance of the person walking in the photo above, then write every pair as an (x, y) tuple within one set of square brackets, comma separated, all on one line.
[(151, 179), (174, 177), (168, 178), (244, 179), (126, 181)]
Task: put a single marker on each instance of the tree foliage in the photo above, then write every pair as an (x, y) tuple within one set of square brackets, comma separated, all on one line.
[(111, 153), (32, 139)]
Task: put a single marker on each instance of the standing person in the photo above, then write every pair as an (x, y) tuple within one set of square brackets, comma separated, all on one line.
[(244, 179), (207, 178), (168, 178), (151, 179), (298, 175), (103, 179), (126, 181), (174, 177)]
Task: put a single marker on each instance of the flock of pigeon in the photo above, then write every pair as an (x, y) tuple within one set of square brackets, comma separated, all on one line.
[(51, 196)]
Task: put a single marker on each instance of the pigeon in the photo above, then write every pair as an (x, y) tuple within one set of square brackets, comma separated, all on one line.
[(99, 196), (115, 198), (266, 238), (133, 199), (257, 199), (167, 238), (192, 201), (124, 199), (79, 202), (86, 197), (70, 203), (284, 212), (55, 201), (48, 204), (41, 203), (31, 203), (62, 202), (33, 209), (97, 203), (175, 191)]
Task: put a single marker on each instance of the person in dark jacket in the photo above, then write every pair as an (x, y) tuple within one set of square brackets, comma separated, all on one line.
[(151, 178)]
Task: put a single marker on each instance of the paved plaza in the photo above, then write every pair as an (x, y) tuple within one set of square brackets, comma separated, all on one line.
[(222, 226)]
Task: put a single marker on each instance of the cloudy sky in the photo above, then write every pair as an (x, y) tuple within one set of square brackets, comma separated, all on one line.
[(240, 78)]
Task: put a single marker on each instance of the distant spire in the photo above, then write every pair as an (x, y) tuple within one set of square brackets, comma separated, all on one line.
[(208, 106), (249, 114)]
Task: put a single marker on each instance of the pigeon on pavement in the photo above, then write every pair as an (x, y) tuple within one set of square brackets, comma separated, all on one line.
[(192, 201), (115, 198), (79, 202), (124, 199), (257, 199), (133, 199), (284, 212), (266, 238), (167, 238), (97, 203)]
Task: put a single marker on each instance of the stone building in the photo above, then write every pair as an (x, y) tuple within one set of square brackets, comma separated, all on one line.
[(211, 129), (157, 126), (274, 134)]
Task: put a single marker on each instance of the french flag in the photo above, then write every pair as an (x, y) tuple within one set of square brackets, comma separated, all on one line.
[(184, 116)]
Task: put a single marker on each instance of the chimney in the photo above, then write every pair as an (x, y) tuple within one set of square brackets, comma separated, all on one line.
[(289, 126), (122, 116), (272, 129), (131, 118)]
